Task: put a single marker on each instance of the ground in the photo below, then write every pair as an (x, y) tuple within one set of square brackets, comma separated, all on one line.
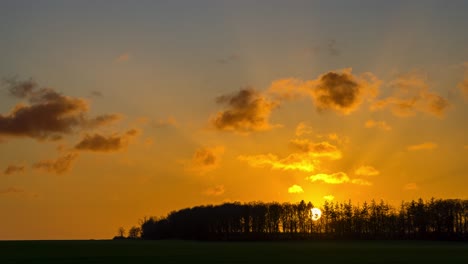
[(128, 251)]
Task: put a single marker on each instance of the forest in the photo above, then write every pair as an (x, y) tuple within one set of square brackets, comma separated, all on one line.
[(436, 219)]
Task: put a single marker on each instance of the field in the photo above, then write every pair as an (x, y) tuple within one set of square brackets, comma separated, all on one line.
[(107, 251)]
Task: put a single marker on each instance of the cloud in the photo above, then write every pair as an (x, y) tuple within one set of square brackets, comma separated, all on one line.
[(423, 146), (59, 166), (11, 190), (124, 57), (463, 85), (329, 197), (411, 186), (215, 191), (96, 93), (317, 150), (295, 161), (340, 91), (169, 121), (247, 111), (295, 189), (11, 169), (49, 114), (361, 182), (99, 143), (378, 124), (367, 171), (102, 120), (412, 95), (336, 178), (303, 129), (206, 159)]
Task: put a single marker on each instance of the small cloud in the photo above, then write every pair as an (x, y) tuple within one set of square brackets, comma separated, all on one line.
[(96, 94), (411, 186), (102, 120), (361, 182), (206, 159), (169, 121), (124, 57), (59, 165), (11, 190), (215, 191), (303, 129), (378, 124), (317, 150), (329, 197), (367, 171), (100, 143), (423, 146), (332, 49), (11, 169), (228, 59), (247, 111), (295, 189)]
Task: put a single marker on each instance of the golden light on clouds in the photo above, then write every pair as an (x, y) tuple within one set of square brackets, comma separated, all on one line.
[(366, 171), (378, 124), (337, 178), (303, 129), (423, 146), (329, 197), (215, 191), (295, 189), (295, 161)]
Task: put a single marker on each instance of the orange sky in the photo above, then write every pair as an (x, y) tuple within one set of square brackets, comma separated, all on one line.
[(113, 112)]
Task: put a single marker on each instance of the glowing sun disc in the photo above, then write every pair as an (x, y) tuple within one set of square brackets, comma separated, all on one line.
[(316, 214)]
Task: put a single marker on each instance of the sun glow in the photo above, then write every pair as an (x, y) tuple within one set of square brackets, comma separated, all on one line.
[(316, 214)]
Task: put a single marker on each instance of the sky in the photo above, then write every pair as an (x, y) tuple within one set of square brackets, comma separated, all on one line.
[(111, 111)]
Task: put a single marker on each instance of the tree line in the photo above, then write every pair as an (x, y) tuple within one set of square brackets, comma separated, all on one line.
[(436, 219)]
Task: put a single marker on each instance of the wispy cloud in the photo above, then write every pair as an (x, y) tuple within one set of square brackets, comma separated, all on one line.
[(423, 146), (295, 189), (378, 124), (412, 95), (215, 191), (303, 129), (100, 143), (295, 161), (411, 186), (124, 57), (337, 178), (12, 169), (317, 150), (366, 171), (59, 166)]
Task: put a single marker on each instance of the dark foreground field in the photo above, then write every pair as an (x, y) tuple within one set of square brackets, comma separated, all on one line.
[(232, 252)]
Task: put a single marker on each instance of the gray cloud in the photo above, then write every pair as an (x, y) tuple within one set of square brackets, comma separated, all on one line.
[(247, 111)]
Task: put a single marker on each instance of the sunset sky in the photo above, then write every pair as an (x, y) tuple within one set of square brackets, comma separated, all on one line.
[(115, 110)]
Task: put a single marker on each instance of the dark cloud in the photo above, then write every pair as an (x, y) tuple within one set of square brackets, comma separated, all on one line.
[(59, 166), (48, 114), (103, 120), (11, 169), (247, 110), (99, 143), (340, 91), (206, 159)]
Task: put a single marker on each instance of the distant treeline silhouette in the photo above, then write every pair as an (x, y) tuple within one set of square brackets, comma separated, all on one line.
[(432, 220)]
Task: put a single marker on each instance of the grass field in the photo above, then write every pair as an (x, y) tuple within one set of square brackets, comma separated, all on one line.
[(107, 251)]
